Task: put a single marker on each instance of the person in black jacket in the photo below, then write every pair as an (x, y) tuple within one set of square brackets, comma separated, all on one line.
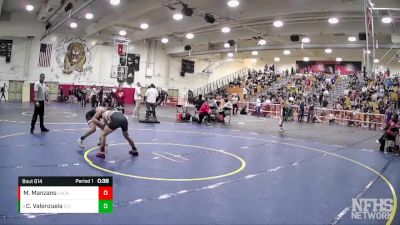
[(199, 102), (301, 112)]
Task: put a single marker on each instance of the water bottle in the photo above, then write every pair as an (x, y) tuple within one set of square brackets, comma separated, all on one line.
[(191, 119)]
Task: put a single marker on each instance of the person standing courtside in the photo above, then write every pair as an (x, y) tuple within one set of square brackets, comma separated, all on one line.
[(3, 91), (120, 98), (40, 92), (138, 99), (93, 96), (151, 100)]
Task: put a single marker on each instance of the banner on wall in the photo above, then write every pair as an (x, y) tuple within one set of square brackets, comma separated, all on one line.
[(136, 61), (5, 49), (130, 67), (344, 67), (74, 57), (45, 55)]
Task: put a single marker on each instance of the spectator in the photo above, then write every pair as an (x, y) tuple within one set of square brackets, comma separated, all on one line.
[(93, 96), (100, 96), (204, 112), (120, 98), (235, 100), (198, 102), (151, 100), (390, 134), (138, 99)]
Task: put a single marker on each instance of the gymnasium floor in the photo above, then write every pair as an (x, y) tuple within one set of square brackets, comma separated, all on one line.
[(240, 173)]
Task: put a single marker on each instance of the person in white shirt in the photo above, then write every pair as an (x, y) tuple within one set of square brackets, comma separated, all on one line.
[(151, 100), (93, 96), (258, 106), (235, 101), (364, 89), (138, 99), (41, 95), (225, 109), (245, 92)]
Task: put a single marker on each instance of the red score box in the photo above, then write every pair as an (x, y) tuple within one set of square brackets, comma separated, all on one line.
[(105, 193)]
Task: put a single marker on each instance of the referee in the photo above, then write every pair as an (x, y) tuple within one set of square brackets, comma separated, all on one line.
[(40, 96)]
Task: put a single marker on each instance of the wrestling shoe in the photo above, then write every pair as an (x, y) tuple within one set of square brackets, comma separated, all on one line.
[(79, 142), (134, 152), (101, 155)]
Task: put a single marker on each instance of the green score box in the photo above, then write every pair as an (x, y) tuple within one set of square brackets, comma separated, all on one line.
[(106, 206)]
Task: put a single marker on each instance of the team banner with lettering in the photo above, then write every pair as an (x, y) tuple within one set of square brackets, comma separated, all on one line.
[(329, 67), (130, 65)]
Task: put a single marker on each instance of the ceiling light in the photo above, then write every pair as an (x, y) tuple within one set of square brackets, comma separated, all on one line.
[(230, 54), (368, 52), (114, 2), (386, 19), (144, 26), (254, 53), (328, 51), (209, 18), (227, 45), (286, 52), (233, 3), (376, 60), (73, 25), (306, 59), (29, 7), (278, 23), (89, 16), (164, 40), (305, 40), (277, 59), (352, 38), (177, 16), (189, 36), (94, 42), (122, 32), (333, 20), (226, 30), (262, 42), (338, 59)]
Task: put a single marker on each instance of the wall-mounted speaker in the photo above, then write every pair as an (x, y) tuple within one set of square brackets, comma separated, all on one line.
[(362, 36), (182, 73), (294, 37)]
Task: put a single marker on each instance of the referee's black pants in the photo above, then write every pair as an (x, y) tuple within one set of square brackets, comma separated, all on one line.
[(39, 110)]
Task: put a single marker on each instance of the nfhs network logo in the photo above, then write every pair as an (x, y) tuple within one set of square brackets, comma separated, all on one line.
[(371, 208)]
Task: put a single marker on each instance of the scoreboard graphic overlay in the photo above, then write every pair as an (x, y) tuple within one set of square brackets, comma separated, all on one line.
[(65, 195)]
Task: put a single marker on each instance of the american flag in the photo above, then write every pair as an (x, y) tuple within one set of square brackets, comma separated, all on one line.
[(45, 55)]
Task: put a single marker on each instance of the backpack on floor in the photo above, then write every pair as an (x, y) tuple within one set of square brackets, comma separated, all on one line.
[(195, 119), (179, 116), (243, 111)]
